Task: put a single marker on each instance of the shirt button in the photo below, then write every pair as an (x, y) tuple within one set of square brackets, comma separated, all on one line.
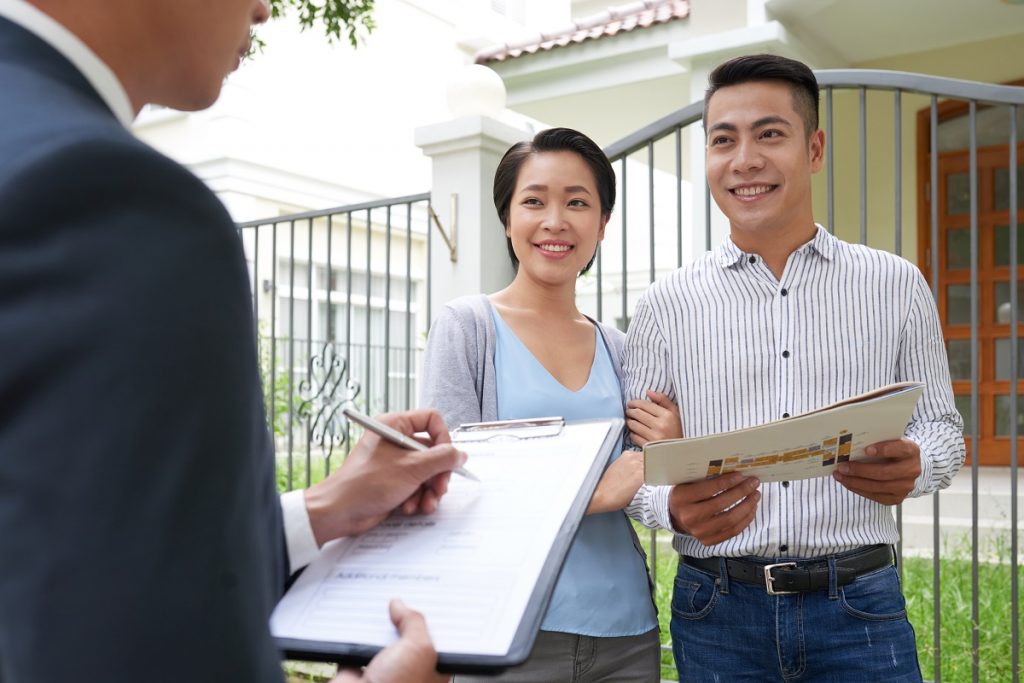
[(783, 548), (785, 415), (784, 291), (753, 259), (785, 484), (785, 354)]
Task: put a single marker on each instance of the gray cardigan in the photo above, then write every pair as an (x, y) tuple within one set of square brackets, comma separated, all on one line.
[(458, 378)]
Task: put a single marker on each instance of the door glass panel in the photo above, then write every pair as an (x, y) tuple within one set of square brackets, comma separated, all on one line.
[(1003, 358), (1001, 189), (993, 128), (1003, 415), (958, 194), (963, 406), (958, 304), (959, 358), (1001, 314), (1001, 249), (958, 249)]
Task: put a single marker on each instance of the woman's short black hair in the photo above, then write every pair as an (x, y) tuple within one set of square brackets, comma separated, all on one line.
[(552, 140)]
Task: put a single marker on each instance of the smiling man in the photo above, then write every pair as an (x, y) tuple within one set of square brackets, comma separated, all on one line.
[(781, 319)]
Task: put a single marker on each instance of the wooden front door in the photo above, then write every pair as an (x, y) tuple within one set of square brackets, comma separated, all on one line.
[(954, 284)]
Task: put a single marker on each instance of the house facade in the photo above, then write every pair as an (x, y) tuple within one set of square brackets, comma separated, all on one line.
[(620, 68)]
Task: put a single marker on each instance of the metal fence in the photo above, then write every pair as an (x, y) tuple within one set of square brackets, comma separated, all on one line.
[(342, 296), (341, 300), (872, 121)]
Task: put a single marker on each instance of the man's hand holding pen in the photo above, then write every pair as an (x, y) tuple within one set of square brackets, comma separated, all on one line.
[(379, 477)]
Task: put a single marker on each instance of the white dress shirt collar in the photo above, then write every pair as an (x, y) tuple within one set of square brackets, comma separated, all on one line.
[(78, 53), (824, 243)]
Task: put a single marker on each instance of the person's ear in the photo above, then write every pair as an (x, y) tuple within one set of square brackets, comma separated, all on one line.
[(816, 150), (604, 224)]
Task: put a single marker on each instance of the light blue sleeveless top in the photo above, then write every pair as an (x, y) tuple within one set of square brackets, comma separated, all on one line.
[(603, 589)]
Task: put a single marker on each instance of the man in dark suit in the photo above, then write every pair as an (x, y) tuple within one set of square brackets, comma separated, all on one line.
[(140, 531)]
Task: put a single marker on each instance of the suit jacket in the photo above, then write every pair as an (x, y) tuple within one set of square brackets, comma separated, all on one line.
[(140, 531)]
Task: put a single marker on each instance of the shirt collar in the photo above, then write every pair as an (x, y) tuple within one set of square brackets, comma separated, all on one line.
[(99, 75), (823, 243), (728, 253)]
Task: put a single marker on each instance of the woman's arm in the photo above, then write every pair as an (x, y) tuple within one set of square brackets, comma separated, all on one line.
[(449, 380), (619, 483)]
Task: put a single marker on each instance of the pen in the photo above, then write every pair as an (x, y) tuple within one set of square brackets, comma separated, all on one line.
[(396, 437)]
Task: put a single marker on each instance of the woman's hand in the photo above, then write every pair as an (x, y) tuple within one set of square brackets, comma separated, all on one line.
[(653, 420), (619, 484)]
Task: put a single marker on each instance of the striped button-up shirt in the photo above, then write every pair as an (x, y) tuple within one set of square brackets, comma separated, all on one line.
[(735, 347)]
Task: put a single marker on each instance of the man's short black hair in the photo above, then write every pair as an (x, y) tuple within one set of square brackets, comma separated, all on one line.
[(749, 68)]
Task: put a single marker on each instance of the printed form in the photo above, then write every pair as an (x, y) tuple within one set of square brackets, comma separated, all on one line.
[(471, 567)]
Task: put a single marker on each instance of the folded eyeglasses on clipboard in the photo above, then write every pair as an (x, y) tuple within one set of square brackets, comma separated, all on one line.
[(499, 430)]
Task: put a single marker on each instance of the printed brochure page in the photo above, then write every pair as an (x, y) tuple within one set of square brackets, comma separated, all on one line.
[(800, 447)]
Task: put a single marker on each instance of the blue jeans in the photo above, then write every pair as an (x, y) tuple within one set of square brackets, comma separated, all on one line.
[(726, 631)]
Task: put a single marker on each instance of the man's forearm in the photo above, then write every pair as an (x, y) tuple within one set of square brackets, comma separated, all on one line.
[(650, 507), (942, 453)]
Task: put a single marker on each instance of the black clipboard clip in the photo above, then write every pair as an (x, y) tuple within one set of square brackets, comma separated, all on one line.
[(526, 428)]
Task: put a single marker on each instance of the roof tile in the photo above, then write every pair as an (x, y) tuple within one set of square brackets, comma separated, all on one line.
[(614, 20)]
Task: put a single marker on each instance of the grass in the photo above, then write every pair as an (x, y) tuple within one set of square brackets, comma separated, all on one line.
[(955, 597), (317, 469), (995, 644), (304, 672), (666, 574)]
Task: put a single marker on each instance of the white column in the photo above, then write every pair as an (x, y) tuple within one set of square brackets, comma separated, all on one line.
[(465, 153)]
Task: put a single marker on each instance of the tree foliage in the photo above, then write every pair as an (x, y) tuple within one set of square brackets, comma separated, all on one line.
[(351, 18)]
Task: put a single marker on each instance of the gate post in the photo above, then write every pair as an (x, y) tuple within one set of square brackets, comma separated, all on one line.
[(465, 153)]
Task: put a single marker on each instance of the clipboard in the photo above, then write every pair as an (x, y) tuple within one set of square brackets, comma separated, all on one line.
[(526, 428), (313, 613)]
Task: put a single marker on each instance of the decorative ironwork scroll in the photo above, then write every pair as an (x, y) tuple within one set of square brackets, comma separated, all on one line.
[(325, 391)]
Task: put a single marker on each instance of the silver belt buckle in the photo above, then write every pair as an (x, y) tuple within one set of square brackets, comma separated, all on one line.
[(769, 580)]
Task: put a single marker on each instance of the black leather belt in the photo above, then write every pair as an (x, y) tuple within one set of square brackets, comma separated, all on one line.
[(798, 576)]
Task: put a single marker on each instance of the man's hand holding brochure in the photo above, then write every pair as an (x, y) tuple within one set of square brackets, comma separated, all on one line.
[(800, 447)]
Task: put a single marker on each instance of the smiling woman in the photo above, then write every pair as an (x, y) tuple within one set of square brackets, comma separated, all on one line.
[(564, 154), (528, 351)]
